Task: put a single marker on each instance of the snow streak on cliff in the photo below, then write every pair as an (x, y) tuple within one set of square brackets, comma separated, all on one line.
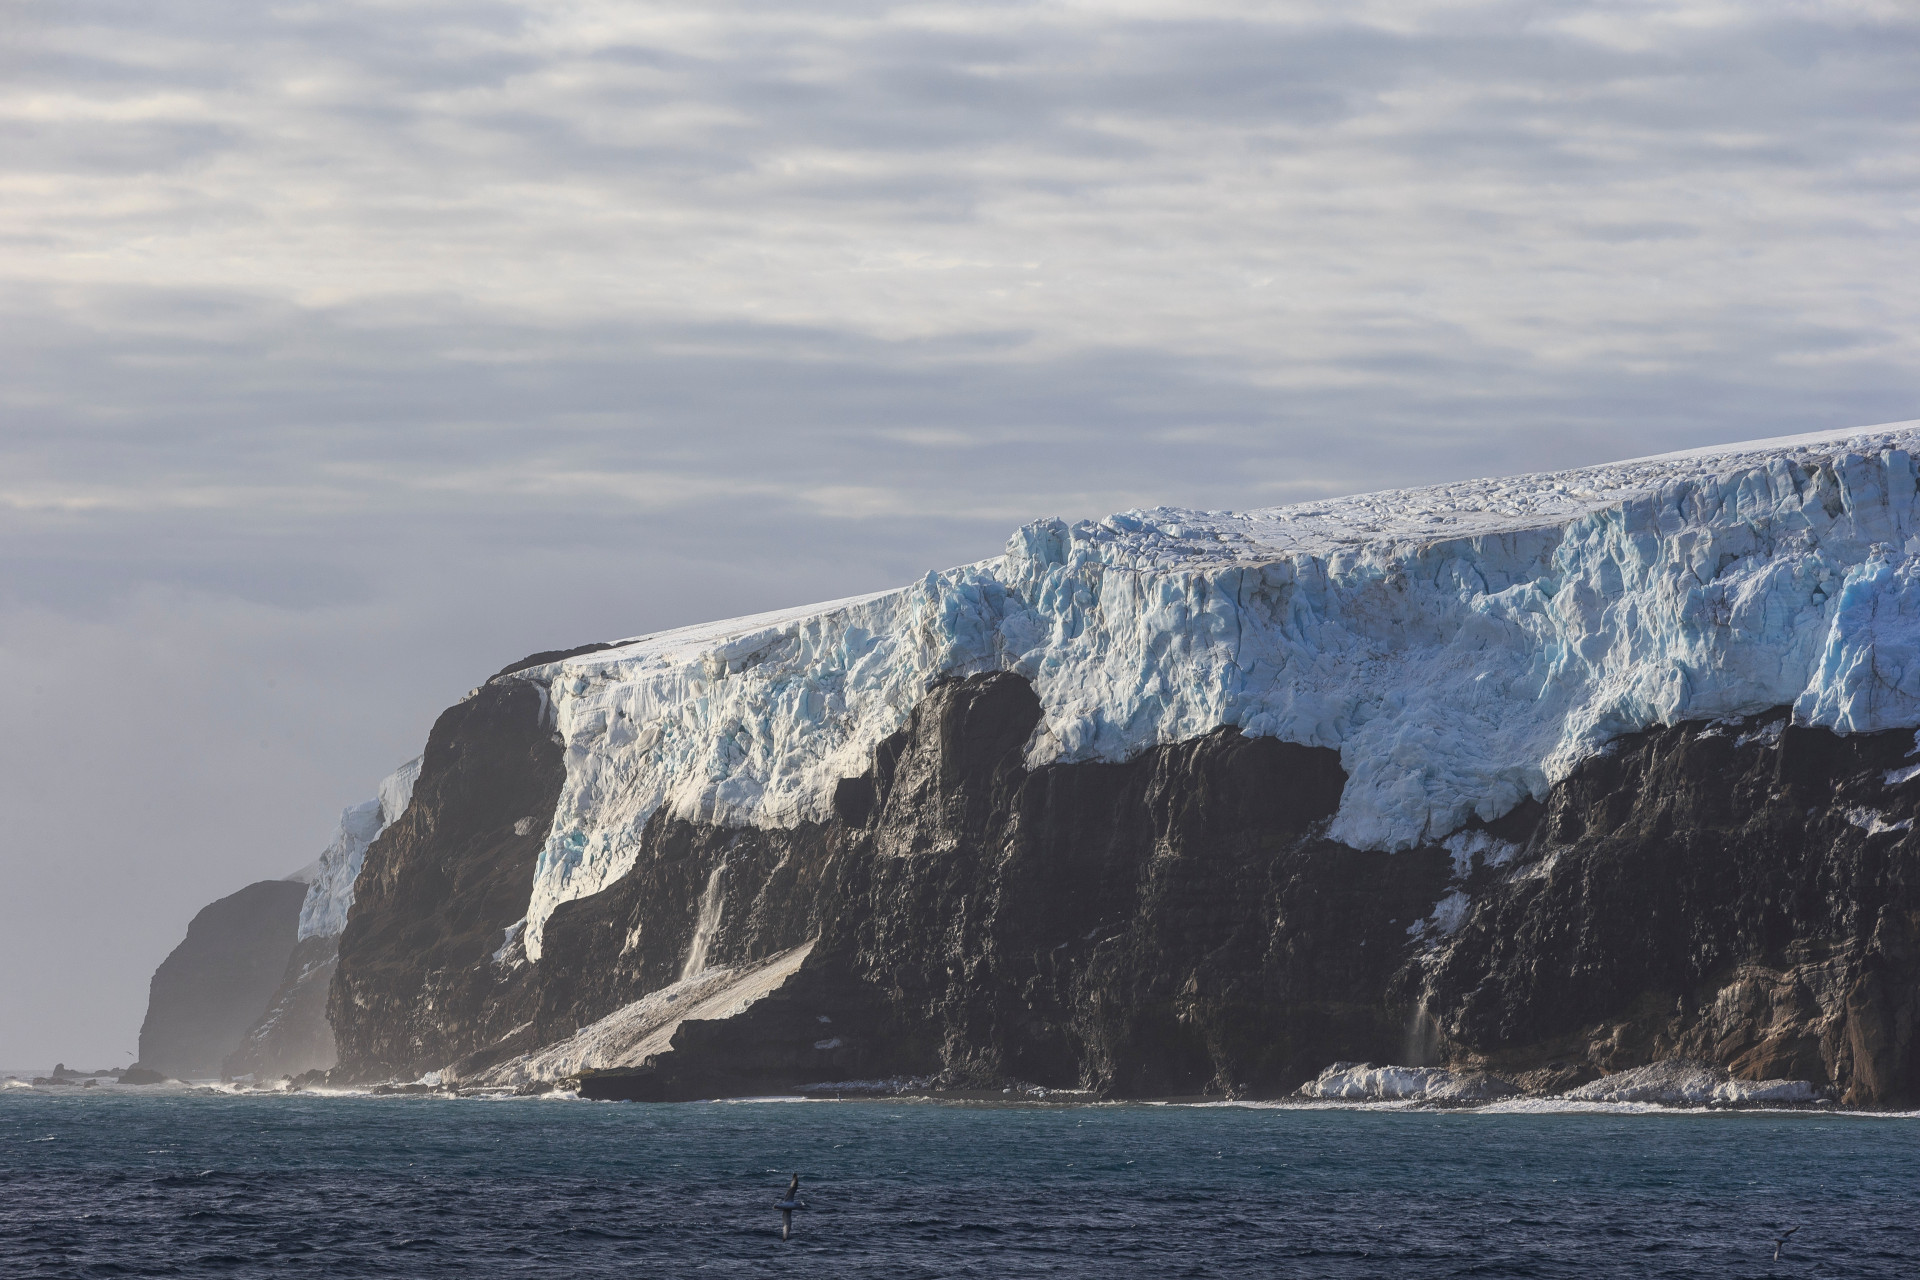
[(330, 891), (1462, 646)]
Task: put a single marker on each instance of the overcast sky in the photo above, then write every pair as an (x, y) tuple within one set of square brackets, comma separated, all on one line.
[(350, 350)]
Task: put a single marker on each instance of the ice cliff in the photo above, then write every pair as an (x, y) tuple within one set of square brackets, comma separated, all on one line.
[(330, 879), (1462, 646)]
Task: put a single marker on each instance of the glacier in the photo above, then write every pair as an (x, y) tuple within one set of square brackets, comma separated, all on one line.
[(330, 879), (1463, 646)]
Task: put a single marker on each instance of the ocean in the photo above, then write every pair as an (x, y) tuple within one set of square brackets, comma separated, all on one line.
[(127, 1183)]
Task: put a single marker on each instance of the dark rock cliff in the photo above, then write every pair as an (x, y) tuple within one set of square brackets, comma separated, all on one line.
[(430, 900), (213, 986), (442, 888), (1745, 894), (1113, 926), (1177, 924)]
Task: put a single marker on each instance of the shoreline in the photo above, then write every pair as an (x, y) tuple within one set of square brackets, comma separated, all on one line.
[(975, 1098)]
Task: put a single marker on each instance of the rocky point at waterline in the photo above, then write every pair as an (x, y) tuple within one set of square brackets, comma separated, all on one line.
[(209, 989), (1539, 780)]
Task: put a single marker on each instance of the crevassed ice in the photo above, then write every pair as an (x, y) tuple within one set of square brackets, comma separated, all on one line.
[(323, 913), (1462, 646)]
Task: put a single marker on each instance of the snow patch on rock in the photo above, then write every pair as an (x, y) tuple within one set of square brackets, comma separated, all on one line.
[(1448, 915), (1464, 846), (1462, 646), (644, 1029), (1682, 1081), (1764, 1091), (1767, 735), (1874, 823)]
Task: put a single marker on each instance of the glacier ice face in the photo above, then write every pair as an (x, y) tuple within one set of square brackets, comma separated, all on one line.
[(330, 879), (1462, 646)]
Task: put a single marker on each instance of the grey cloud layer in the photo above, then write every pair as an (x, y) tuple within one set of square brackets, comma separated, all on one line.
[(1215, 184), (349, 350)]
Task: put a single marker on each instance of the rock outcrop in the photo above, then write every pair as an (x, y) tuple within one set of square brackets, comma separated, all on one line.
[(1745, 893), (214, 986), (444, 889)]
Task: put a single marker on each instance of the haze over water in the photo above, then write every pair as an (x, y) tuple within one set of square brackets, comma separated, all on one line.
[(209, 1185)]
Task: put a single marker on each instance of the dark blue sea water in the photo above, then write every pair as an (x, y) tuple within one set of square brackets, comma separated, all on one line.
[(345, 1187)]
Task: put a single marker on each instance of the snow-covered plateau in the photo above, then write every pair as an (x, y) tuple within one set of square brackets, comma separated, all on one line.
[(1463, 646)]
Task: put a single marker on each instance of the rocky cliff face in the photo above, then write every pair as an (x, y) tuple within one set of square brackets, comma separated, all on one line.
[(1177, 924), (445, 887), (214, 985), (1103, 926), (1550, 775), (1743, 893), (293, 1035)]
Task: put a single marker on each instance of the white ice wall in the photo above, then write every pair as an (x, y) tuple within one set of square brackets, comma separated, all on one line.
[(1462, 646), (330, 890)]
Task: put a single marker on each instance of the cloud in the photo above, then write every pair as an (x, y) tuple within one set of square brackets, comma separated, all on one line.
[(365, 346)]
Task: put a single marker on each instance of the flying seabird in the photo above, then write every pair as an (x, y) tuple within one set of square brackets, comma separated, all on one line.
[(788, 1205)]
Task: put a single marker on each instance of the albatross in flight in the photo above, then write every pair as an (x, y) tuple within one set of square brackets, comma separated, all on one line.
[(787, 1205)]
